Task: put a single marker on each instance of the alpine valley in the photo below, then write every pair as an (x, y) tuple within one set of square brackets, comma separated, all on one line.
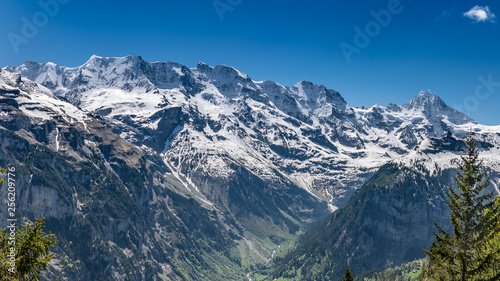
[(156, 171)]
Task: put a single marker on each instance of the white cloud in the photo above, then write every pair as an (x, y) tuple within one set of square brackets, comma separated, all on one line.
[(480, 14)]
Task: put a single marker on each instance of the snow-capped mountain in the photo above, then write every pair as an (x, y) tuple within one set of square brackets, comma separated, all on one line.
[(202, 119), (118, 146), (120, 212)]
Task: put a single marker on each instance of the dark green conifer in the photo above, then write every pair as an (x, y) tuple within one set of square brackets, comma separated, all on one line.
[(32, 252), (471, 252), (348, 276)]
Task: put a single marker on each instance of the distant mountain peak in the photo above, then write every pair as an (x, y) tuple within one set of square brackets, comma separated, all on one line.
[(425, 99), (203, 67), (307, 91), (435, 108), (221, 72), (97, 61), (223, 69)]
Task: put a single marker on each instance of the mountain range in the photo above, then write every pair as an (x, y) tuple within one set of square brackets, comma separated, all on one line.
[(175, 173)]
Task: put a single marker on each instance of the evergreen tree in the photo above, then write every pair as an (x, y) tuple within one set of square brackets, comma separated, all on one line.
[(472, 252), (31, 252), (348, 276)]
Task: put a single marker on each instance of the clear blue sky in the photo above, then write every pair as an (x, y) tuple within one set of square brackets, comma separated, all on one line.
[(425, 45)]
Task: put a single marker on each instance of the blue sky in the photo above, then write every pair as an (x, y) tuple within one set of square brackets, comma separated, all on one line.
[(443, 46)]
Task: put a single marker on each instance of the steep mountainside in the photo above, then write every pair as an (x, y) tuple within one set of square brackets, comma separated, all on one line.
[(390, 219), (113, 208), (202, 173)]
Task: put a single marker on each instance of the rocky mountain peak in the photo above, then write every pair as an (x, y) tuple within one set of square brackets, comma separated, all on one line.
[(434, 108), (99, 61), (203, 67), (306, 90), (221, 72), (313, 96), (425, 99)]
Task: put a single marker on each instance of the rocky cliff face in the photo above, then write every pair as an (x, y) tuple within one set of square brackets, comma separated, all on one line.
[(115, 213)]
